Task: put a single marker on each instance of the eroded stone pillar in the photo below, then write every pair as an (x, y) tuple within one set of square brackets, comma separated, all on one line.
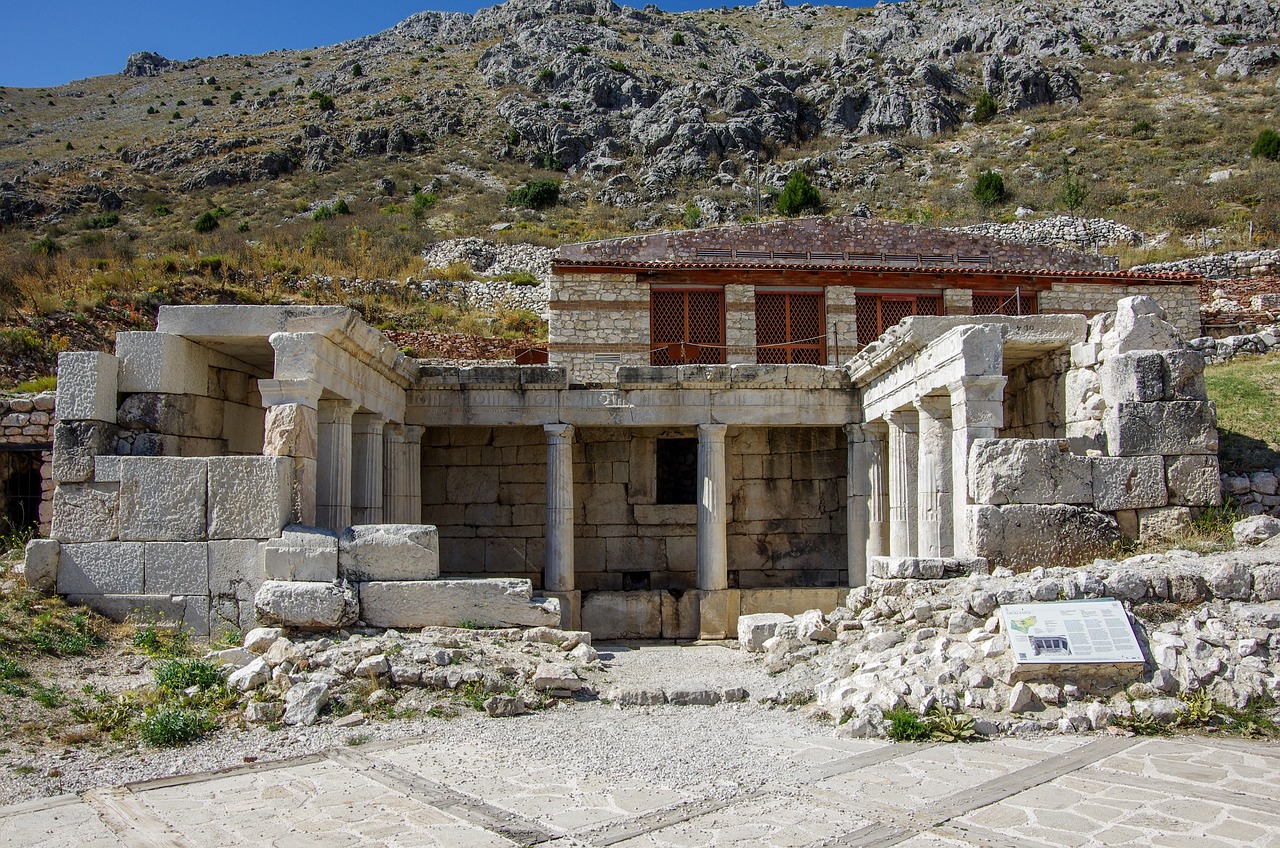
[(713, 519), (903, 439), (558, 569), (866, 527), (292, 429), (933, 500), (402, 474), (977, 412), (333, 464), (366, 469)]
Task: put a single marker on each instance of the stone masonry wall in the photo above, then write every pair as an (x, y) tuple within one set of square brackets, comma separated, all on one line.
[(598, 322), (485, 489), (1181, 303), (1035, 399), (27, 423)]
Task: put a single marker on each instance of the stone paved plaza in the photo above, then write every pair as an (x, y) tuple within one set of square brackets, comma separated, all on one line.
[(1068, 790)]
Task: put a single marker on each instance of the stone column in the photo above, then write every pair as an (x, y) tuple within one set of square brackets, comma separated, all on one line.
[(934, 475), (903, 439), (977, 412), (866, 526), (366, 469), (558, 570), (292, 429), (402, 474), (713, 519), (333, 464)]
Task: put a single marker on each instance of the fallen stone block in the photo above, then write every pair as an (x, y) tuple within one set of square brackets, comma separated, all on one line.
[(1128, 482), (500, 602), (262, 712), (249, 496), (693, 697), (302, 553), (162, 499), (308, 606), (755, 630), (636, 697), (811, 626), (40, 565), (303, 702), (389, 552), (260, 639), (555, 636), (1255, 530), (505, 706), (907, 568), (251, 676), (1028, 471), (550, 677)]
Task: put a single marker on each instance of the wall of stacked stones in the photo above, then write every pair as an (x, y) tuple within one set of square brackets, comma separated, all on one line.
[(596, 323), (485, 490), (1035, 399), (1139, 461), (1180, 303), (153, 508), (1257, 493), (27, 423)]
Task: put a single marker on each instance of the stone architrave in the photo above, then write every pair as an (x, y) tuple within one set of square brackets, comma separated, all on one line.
[(498, 602), (712, 541), (558, 575)]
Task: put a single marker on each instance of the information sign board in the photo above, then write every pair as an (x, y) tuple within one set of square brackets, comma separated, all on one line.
[(1070, 632)]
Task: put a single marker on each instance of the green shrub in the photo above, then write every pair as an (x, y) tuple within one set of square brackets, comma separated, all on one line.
[(69, 636), (1074, 193), (341, 207), (1267, 145), (421, 203), (535, 194), (325, 212), (1141, 129), (207, 222), (906, 726), (618, 66), (236, 97), (989, 189), (798, 196), (323, 101), (170, 725), (986, 108), (177, 675), (357, 70), (677, 39), (546, 75), (692, 215), (101, 221), (46, 246)]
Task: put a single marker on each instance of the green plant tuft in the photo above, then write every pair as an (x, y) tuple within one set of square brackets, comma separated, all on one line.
[(799, 196), (986, 108), (989, 189), (535, 194)]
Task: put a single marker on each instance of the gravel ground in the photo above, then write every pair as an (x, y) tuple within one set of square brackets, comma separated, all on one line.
[(674, 746)]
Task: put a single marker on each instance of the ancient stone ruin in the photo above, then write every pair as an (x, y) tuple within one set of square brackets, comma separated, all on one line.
[(247, 465)]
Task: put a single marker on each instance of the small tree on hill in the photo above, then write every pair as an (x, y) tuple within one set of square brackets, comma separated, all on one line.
[(206, 223), (535, 194), (798, 196), (1267, 145), (986, 107), (989, 189)]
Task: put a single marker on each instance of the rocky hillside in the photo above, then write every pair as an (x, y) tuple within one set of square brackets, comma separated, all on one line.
[(1141, 111)]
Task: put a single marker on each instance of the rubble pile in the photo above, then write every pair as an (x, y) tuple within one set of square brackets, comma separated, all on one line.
[(1207, 624), (303, 679)]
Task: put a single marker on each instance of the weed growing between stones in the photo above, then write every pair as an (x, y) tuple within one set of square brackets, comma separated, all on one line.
[(161, 642), (1202, 713), (907, 726), (171, 724), (939, 724)]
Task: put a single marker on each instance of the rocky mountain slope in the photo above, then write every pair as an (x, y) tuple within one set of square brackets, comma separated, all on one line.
[(654, 119)]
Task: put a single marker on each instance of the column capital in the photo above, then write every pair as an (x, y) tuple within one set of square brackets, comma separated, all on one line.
[(413, 433), (367, 423), (977, 388), (712, 431), (280, 392), (337, 410), (855, 433), (934, 406), (558, 432), (907, 419)]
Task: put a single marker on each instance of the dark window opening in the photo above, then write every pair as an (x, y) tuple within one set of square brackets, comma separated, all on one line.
[(635, 581), (677, 472), (876, 313), (20, 485)]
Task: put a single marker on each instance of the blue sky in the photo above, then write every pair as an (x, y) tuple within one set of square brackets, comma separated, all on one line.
[(58, 41)]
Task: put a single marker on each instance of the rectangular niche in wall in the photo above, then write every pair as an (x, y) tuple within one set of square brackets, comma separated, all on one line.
[(677, 471)]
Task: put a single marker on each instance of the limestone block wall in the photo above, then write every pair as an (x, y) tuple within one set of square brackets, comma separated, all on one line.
[(1140, 457), (597, 322), (485, 489), (26, 446), (1181, 303)]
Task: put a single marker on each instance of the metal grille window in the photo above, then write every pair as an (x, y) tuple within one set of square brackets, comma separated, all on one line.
[(790, 328), (877, 313), (990, 303), (687, 327)]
